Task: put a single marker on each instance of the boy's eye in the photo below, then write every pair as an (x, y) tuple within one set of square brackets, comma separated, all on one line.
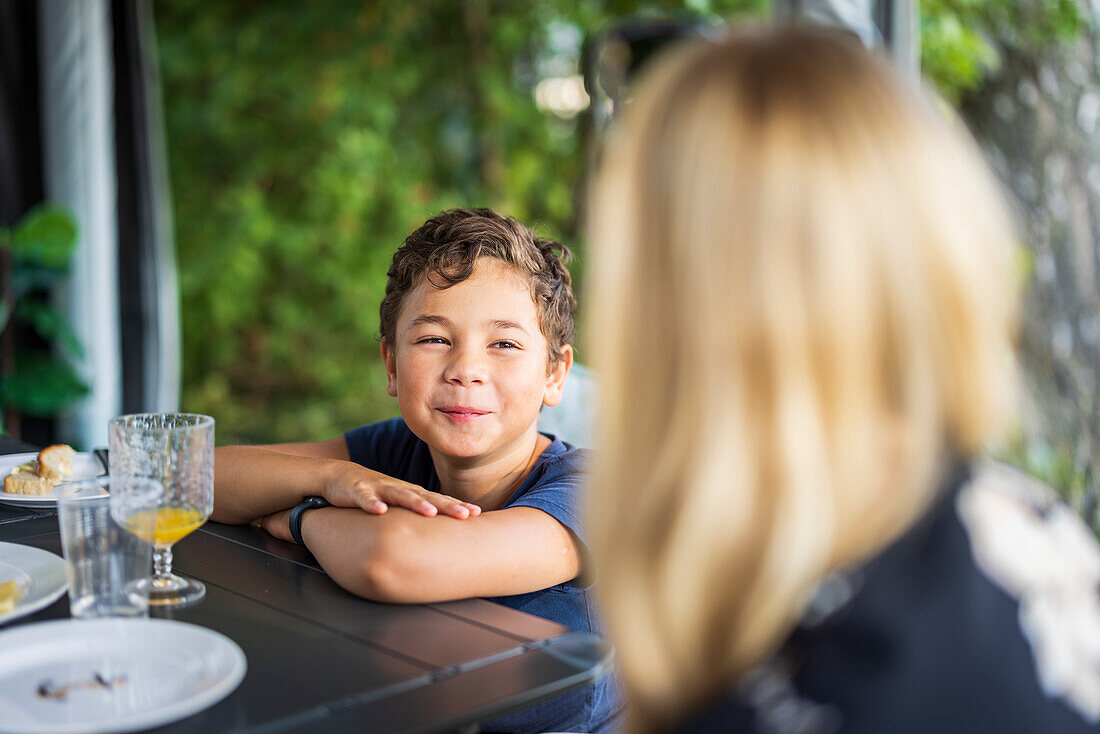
[(504, 344), (431, 340)]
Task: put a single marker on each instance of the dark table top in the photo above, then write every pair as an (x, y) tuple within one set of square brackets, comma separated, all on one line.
[(323, 660)]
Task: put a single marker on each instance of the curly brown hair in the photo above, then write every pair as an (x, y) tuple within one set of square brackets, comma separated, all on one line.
[(445, 249)]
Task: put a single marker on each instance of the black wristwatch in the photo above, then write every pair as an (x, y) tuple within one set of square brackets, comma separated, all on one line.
[(309, 503)]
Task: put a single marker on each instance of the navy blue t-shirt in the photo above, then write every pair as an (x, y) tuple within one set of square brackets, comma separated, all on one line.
[(553, 486)]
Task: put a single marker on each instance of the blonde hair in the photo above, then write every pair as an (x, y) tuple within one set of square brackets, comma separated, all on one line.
[(802, 275)]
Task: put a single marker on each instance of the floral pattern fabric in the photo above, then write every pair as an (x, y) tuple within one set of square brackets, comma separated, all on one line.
[(1040, 552)]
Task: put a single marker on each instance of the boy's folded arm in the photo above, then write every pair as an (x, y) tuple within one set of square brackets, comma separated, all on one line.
[(251, 482), (406, 558), (334, 448)]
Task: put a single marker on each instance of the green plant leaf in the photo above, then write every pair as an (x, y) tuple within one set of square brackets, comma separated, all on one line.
[(50, 325), (41, 386), (45, 236), (27, 278)]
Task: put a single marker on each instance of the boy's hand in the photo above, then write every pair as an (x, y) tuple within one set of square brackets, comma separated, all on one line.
[(278, 524), (351, 485)]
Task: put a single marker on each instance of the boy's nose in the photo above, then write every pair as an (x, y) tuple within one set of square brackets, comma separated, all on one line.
[(465, 369)]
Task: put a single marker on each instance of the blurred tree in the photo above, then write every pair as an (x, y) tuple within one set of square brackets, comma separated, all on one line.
[(306, 141)]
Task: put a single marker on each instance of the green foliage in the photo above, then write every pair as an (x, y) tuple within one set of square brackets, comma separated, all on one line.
[(44, 237), (306, 142), (39, 246), (50, 325), (38, 251), (41, 385), (1056, 467), (960, 39)]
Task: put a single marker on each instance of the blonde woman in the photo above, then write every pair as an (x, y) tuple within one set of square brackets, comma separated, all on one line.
[(805, 307)]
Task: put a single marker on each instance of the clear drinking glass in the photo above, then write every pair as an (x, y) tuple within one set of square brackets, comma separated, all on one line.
[(178, 450), (106, 541)]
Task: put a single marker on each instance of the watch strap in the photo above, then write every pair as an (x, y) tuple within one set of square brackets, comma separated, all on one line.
[(309, 503)]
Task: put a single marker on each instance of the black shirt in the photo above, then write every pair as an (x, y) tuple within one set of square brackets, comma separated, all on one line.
[(920, 639)]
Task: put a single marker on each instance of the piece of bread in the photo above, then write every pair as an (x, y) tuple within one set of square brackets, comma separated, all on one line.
[(53, 465), (27, 482), (55, 462)]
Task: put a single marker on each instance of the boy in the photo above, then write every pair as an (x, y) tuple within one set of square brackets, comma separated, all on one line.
[(477, 327)]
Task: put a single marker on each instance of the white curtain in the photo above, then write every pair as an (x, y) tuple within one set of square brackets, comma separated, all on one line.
[(79, 173)]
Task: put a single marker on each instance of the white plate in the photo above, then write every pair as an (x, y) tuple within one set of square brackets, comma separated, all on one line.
[(112, 675), (85, 466), (39, 573)]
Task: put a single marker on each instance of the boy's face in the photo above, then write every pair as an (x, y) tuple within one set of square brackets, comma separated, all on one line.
[(468, 364)]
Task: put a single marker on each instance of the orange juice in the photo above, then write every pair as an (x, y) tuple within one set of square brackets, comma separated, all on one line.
[(172, 523)]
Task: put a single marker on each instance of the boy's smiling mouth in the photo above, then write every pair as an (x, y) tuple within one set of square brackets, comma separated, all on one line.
[(461, 412)]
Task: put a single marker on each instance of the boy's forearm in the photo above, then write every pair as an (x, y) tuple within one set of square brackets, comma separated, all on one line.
[(250, 482), (382, 557), (402, 557), (347, 544)]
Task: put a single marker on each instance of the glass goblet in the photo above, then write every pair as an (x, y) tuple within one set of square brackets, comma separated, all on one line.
[(178, 450)]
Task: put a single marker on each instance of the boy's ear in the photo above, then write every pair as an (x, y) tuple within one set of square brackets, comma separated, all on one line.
[(389, 356), (555, 380)]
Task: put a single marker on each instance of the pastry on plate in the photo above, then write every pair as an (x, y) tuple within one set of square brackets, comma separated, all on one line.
[(55, 462), (22, 481), (52, 466)]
